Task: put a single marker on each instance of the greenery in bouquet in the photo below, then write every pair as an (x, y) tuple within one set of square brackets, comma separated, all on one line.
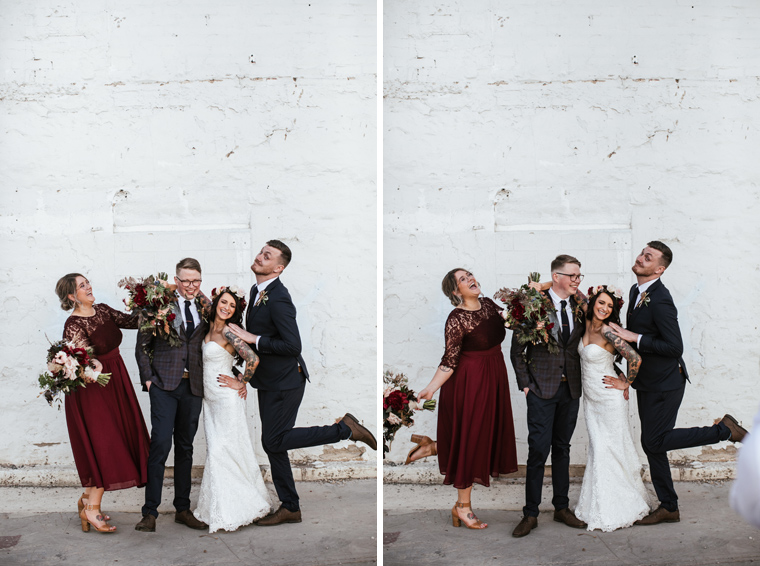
[(527, 312), (153, 299), (399, 404), (68, 368)]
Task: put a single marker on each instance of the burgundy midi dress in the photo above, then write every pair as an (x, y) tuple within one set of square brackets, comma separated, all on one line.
[(476, 435), (107, 431)]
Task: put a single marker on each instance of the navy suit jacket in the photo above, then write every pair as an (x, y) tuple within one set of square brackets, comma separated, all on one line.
[(279, 348), (661, 346)]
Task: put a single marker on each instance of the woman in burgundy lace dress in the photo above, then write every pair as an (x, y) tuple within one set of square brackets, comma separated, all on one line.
[(476, 436), (106, 428)]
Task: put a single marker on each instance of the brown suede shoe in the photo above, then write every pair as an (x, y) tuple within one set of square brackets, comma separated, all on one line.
[(660, 515), (568, 517), (147, 524), (186, 517), (280, 516), (737, 431), (358, 432), (524, 527)]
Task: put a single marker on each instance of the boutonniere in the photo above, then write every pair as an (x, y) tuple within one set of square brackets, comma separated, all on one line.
[(262, 299), (643, 300), (578, 312)]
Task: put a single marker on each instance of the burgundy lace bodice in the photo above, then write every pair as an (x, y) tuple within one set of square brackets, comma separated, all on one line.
[(100, 331), (472, 331)]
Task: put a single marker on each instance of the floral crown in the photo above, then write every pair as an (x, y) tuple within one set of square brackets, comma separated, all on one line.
[(233, 290), (611, 290)]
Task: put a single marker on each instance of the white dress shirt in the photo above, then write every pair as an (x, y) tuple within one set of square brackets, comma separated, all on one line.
[(193, 310), (556, 300)]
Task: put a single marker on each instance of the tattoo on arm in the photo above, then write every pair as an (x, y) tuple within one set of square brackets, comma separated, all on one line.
[(245, 351), (626, 350), (203, 300), (582, 299)]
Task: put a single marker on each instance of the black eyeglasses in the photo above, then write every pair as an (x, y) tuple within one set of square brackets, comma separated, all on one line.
[(189, 282), (572, 277)]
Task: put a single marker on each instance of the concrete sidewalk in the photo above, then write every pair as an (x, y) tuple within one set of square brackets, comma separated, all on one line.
[(417, 530), (339, 527)]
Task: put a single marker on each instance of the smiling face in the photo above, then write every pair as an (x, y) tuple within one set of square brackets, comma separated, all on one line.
[(226, 306), (467, 285), (83, 295), (603, 307), (188, 283), (268, 262), (566, 280), (649, 264)]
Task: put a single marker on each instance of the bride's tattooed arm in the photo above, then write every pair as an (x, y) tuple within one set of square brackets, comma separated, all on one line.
[(626, 350), (245, 351)]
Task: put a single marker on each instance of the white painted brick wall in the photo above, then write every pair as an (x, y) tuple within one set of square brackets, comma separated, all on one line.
[(506, 121), (124, 126)]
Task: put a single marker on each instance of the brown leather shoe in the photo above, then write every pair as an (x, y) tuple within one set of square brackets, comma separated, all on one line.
[(568, 517), (358, 432), (425, 446), (186, 517), (660, 515), (147, 524), (280, 516), (524, 527), (737, 431)]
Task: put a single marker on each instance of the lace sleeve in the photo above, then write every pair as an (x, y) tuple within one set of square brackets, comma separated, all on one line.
[(122, 319), (454, 333), (74, 332)]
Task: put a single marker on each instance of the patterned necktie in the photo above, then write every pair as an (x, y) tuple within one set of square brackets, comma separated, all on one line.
[(565, 323), (190, 322)]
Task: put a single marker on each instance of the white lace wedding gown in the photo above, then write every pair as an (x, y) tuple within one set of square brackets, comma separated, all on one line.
[(232, 490), (612, 494)]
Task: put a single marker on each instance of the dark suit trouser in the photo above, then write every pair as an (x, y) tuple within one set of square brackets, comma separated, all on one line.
[(658, 411), (278, 411), (172, 414), (551, 423)]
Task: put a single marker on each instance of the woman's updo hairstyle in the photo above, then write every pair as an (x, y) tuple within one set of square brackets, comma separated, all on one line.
[(449, 285), (67, 285)]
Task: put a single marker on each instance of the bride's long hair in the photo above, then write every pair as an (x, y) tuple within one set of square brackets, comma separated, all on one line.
[(614, 315)]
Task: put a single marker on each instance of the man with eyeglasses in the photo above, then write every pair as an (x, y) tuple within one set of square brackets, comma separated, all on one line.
[(173, 378), (552, 387)]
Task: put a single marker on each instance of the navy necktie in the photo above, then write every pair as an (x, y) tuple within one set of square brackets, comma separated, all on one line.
[(190, 322), (565, 323)]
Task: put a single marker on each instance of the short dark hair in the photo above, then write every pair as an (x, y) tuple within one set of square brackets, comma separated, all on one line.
[(563, 259), (236, 317), (67, 285), (614, 315), (284, 251), (449, 285), (667, 253), (188, 263)]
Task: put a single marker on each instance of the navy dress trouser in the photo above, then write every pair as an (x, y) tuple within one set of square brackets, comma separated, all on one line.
[(278, 411)]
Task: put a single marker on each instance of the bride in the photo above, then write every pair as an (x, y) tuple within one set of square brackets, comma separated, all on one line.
[(232, 490), (612, 494)]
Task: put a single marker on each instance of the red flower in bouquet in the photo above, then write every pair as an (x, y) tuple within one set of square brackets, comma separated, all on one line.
[(154, 299), (69, 368), (527, 313), (396, 400), (399, 404)]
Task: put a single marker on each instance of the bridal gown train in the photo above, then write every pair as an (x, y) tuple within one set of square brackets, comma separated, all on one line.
[(612, 494), (233, 493)]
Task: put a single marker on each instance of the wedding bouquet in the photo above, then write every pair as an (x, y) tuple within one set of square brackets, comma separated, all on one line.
[(153, 298), (69, 368), (530, 314), (399, 404)]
